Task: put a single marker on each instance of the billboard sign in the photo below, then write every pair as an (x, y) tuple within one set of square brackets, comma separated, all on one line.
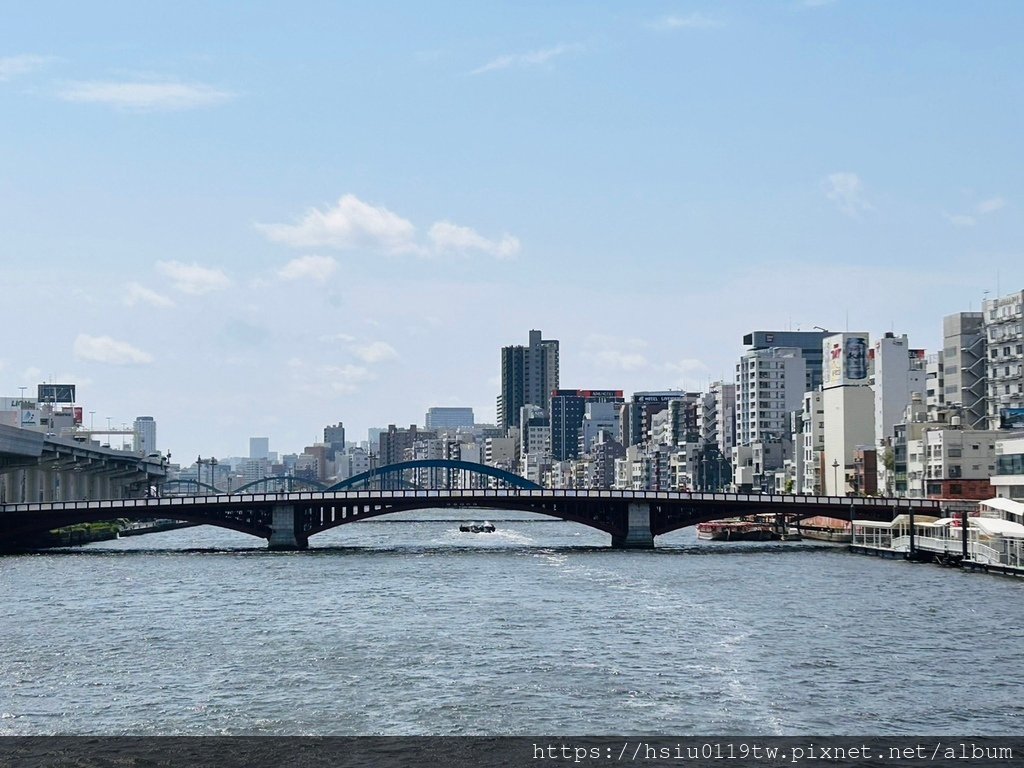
[(845, 359), (15, 403), (29, 419), (56, 393)]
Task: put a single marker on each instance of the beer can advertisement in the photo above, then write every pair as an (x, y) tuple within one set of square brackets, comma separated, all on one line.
[(855, 358), (845, 360)]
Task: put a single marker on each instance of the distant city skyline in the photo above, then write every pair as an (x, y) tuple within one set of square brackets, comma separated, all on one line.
[(239, 232)]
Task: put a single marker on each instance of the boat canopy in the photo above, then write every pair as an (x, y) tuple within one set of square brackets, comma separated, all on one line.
[(1015, 508), (998, 527), (873, 524), (918, 520)]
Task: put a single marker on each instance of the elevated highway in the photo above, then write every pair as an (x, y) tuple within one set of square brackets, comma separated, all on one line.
[(38, 468)]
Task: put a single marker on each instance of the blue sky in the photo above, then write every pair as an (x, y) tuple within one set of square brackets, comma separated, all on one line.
[(257, 219)]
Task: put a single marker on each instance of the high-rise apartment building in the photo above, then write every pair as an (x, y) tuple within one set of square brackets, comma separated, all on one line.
[(145, 435), (770, 384), (1004, 331), (397, 443), (808, 342), (718, 417), (259, 447), (334, 439), (528, 377), (636, 416), (899, 372), (568, 409), (965, 367)]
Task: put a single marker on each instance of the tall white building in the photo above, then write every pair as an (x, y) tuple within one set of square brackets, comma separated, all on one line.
[(259, 447), (598, 416), (1004, 331), (769, 386), (812, 443), (848, 408), (718, 417), (899, 372), (145, 435)]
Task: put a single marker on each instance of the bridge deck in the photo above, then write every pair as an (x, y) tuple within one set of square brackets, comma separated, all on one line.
[(780, 502)]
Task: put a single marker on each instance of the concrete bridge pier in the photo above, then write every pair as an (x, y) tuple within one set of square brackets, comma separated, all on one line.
[(283, 527), (638, 528)]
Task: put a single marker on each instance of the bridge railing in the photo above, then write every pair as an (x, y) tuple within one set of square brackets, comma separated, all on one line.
[(780, 501)]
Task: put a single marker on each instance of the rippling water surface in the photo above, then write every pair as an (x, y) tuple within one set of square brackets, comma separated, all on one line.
[(414, 628)]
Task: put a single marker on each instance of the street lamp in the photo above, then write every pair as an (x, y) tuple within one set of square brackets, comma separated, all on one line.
[(835, 476)]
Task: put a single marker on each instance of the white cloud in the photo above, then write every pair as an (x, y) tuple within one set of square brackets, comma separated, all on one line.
[(345, 379), (847, 191), (616, 352), (446, 237), (689, 21), (990, 205), (528, 59), (375, 352), (982, 208), (142, 96), (317, 268), (352, 223), (349, 224), (24, 64), (139, 294), (103, 349), (960, 219), (625, 361), (687, 371), (192, 278)]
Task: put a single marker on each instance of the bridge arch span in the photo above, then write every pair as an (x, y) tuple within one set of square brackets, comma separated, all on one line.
[(317, 520), (381, 475), (182, 487), (674, 517), (26, 529), (287, 483)]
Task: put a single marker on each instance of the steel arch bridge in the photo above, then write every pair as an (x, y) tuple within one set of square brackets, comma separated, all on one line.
[(434, 474), (281, 483), (288, 520), (186, 488)]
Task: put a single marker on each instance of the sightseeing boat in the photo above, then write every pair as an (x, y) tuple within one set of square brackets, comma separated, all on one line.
[(735, 530)]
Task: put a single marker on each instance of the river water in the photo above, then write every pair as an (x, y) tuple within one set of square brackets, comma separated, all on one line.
[(391, 627)]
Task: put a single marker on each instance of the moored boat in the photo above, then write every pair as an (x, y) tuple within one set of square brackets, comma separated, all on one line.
[(735, 530)]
